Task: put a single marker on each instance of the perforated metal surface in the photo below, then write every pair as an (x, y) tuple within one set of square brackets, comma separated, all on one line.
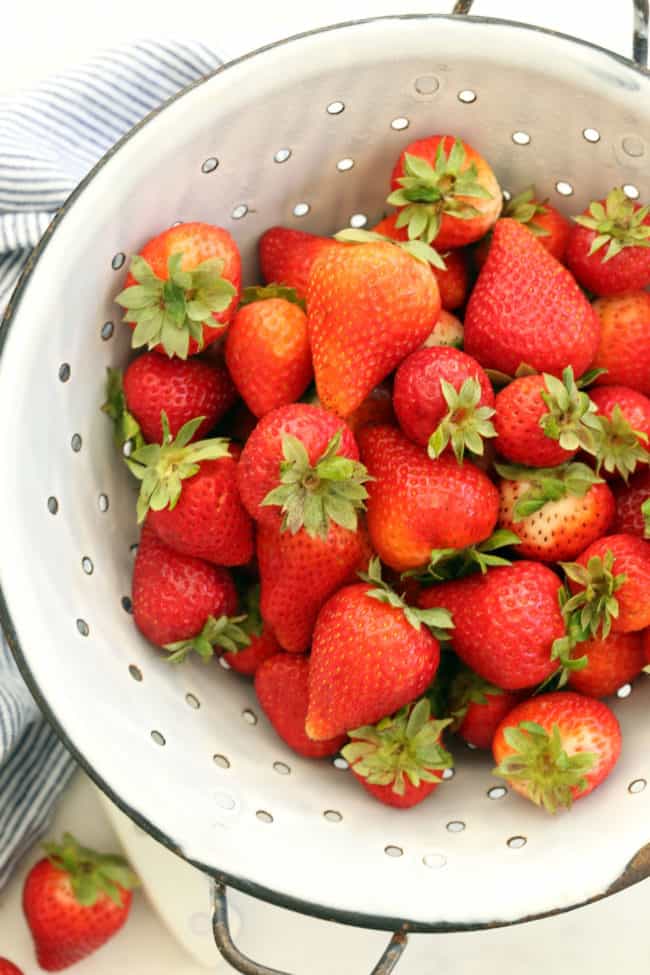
[(302, 134)]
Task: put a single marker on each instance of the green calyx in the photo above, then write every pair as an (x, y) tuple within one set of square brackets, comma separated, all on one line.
[(571, 417), (547, 484), (427, 192), (468, 688), (466, 423), (645, 511), (312, 497), (595, 605), (91, 874), (618, 224), (262, 293), (455, 563), (171, 312), (619, 448), (500, 379), (162, 467), (419, 249), (406, 746), (438, 620), (524, 208), (540, 763), (126, 429), (224, 632)]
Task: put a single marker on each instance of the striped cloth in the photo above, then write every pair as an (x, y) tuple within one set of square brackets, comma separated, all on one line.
[(50, 137)]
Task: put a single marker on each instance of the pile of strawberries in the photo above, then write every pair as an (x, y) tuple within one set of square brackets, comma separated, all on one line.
[(430, 538)]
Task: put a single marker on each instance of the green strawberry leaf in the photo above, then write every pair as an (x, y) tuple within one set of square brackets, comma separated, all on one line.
[(91, 874), (264, 292), (454, 563), (617, 447), (645, 511), (437, 619), (224, 632), (571, 418), (547, 484), (595, 604), (466, 423), (126, 429), (617, 225)]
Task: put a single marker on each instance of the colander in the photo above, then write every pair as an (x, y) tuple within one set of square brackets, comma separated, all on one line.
[(301, 133)]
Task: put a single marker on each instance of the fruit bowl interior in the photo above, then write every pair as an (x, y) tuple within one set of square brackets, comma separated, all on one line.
[(302, 134)]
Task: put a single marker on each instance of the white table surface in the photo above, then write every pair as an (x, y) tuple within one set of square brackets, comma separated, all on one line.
[(38, 37)]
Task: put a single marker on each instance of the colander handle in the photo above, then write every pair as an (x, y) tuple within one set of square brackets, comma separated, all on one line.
[(640, 30), (241, 963)]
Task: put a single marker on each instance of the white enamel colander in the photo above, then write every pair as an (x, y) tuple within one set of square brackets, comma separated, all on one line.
[(301, 133)]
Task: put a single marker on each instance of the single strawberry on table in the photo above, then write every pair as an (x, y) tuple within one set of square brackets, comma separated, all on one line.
[(446, 192), (477, 707), (401, 759), (74, 901), (182, 289), (287, 255), (630, 499), (611, 662), (557, 747), (542, 220), (624, 350), (608, 247), (371, 655), (263, 644), (526, 308), (624, 429), (281, 685), (369, 305), (416, 504), (267, 349)]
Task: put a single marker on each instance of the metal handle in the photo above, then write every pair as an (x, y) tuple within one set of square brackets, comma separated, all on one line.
[(640, 30), (234, 957)]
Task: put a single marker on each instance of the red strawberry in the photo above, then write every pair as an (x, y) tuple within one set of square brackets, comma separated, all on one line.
[(478, 707), (74, 901), (608, 248), (624, 349), (446, 192), (8, 968), (556, 512), (557, 747), (263, 644), (286, 256), (369, 306), (400, 761), (377, 407), (453, 280), (630, 499), (443, 398), (611, 662), (611, 585), (281, 684), (416, 504), (527, 309), (371, 655), (182, 289), (543, 221), (541, 421), (191, 494), (267, 350), (506, 622), (258, 472), (183, 603), (448, 330), (625, 429)]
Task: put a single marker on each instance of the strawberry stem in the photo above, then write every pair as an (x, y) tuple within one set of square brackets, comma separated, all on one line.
[(91, 874)]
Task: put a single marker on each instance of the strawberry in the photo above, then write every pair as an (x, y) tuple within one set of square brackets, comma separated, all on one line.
[(286, 256), (369, 306), (371, 655), (607, 249), (182, 389), (543, 221), (630, 499), (267, 349), (191, 494), (182, 289), (526, 308), (645, 643), (400, 761), (557, 747), (448, 330), (281, 684), (478, 707), (445, 190), (506, 622), (610, 581), (611, 662), (74, 901), (377, 407), (183, 603), (262, 645), (556, 512), (416, 504), (624, 350), (541, 421), (8, 968), (624, 433), (453, 279), (443, 398), (298, 427)]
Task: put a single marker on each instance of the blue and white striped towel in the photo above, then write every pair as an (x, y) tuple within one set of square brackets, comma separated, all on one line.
[(50, 137)]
